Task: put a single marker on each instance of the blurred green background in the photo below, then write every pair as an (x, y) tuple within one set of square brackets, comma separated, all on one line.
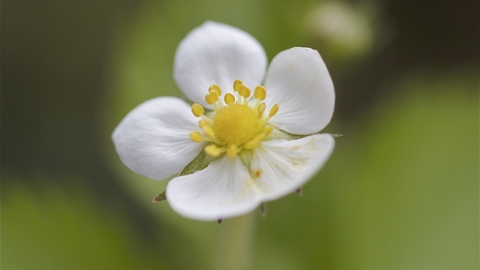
[(400, 191)]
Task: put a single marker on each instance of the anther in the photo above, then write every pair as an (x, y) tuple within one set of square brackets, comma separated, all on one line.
[(206, 128), (212, 150), (211, 97), (273, 110), (236, 85), (216, 88), (203, 123), (261, 109), (254, 142), (260, 92), (197, 109), (196, 136), (268, 130), (244, 91), (229, 98)]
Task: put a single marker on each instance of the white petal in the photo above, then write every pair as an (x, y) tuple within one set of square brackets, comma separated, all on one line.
[(280, 167), (299, 82), (223, 189), (215, 53), (154, 138)]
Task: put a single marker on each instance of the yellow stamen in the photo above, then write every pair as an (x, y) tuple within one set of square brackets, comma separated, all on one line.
[(207, 129), (244, 91), (229, 98), (268, 130), (236, 85), (254, 142), (211, 97), (203, 123), (196, 136), (236, 124), (261, 109), (216, 88), (208, 120), (212, 150), (260, 92), (197, 109), (273, 110)]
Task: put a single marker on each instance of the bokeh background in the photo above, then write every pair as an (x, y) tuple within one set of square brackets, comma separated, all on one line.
[(400, 191)]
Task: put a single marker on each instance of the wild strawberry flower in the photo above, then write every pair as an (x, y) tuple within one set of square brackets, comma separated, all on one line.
[(252, 134)]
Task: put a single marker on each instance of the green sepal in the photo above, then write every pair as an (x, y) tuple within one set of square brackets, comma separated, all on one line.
[(198, 163), (160, 197), (281, 134)]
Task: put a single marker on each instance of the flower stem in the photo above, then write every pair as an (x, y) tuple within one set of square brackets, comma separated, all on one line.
[(235, 243)]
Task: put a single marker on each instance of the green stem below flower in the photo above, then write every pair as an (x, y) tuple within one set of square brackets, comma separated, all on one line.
[(235, 245)]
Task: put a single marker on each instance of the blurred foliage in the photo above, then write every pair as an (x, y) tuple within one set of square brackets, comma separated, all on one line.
[(58, 229), (343, 32), (68, 228)]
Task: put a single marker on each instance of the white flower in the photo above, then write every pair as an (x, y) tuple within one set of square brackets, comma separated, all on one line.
[(244, 136)]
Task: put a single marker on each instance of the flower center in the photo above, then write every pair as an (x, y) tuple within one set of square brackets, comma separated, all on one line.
[(237, 123)]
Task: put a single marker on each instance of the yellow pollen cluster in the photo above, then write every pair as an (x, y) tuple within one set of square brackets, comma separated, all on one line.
[(238, 122)]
